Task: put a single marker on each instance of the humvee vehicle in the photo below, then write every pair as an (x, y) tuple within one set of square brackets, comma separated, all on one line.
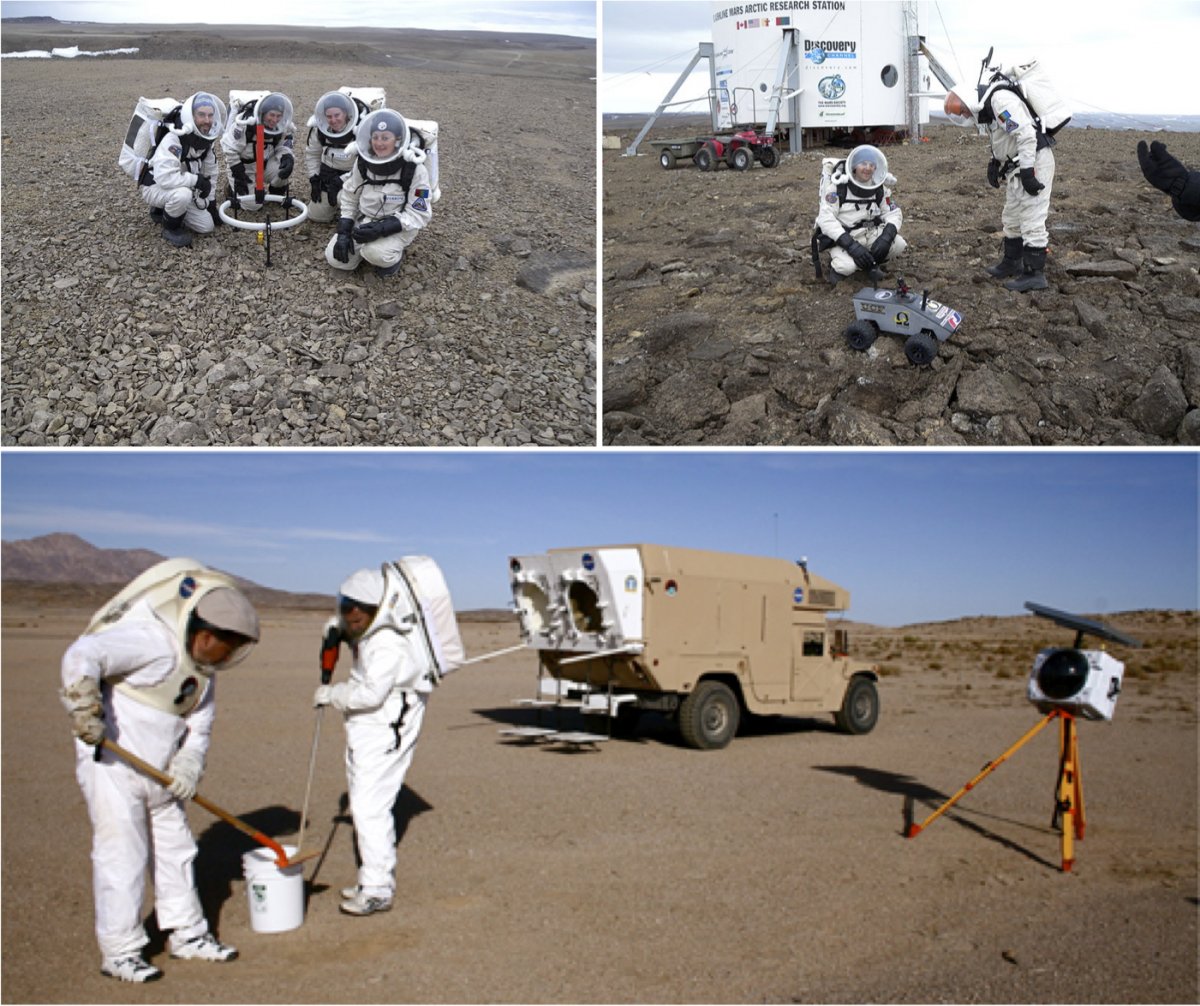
[(901, 312), (705, 637)]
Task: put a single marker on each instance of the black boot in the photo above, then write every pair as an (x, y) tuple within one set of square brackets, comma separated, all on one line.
[(156, 214), (383, 272), (1010, 265), (1032, 278), (174, 232)]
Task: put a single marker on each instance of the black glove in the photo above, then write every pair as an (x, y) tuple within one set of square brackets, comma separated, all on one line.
[(1162, 170), (333, 186), (883, 244), (203, 186), (286, 163), (343, 248), (1030, 182), (241, 184), (377, 229), (314, 182), (215, 213), (994, 173), (862, 257)]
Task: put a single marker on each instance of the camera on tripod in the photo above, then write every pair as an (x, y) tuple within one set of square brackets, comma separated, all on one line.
[(1083, 682)]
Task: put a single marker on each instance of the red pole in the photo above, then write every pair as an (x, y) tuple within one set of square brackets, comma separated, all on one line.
[(260, 196)]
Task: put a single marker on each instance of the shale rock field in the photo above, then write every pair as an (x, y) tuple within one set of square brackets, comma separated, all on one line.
[(486, 337), (716, 331)]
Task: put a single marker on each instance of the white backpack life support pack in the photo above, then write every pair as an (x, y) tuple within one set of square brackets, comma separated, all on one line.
[(427, 130), (368, 99), (1033, 86), (172, 588), (150, 122), (417, 602)]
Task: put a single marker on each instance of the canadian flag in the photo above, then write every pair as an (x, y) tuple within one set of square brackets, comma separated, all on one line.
[(741, 25)]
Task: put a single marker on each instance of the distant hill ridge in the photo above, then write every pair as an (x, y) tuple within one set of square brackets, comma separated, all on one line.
[(90, 574)]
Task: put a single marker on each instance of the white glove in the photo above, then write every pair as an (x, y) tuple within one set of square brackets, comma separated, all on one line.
[(331, 695), (185, 771), (82, 700)]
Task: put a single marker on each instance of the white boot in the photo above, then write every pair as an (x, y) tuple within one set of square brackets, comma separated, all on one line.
[(204, 947), (130, 968), (365, 904)]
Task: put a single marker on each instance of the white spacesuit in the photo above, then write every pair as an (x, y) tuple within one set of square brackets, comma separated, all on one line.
[(143, 677), (386, 198), (384, 706), (1023, 161), (859, 216), (184, 167), (274, 113), (329, 153)]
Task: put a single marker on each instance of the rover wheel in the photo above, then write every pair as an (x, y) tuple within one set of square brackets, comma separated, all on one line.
[(708, 718), (920, 348), (705, 160), (769, 157), (667, 159), (860, 707), (861, 335), (741, 158)]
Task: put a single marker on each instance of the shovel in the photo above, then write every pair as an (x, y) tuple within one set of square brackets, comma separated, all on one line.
[(281, 857)]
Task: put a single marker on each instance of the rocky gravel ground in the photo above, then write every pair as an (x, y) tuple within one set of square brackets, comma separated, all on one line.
[(485, 338), (717, 332)]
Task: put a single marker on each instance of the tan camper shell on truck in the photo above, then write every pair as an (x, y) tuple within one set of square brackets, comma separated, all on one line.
[(705, 636)]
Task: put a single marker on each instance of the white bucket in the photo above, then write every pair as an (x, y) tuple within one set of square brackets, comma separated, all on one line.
[(276, 895)]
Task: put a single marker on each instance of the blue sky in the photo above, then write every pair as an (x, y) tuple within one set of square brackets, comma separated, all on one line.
[(1123, 58), (916, 536), (554, 17)]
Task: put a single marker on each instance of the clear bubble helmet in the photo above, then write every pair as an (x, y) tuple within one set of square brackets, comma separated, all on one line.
[(380, 125)]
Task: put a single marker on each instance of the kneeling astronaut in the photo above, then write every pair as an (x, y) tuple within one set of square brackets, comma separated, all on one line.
[(183, 171), (858, 216), (385, 199)]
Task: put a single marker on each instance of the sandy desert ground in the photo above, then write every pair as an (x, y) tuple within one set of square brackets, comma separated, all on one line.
[(487, 336), (773, 871), (716, 330)]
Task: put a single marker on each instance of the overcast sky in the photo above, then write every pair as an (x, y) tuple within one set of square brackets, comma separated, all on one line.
[(1128, 58), (915, 536), (553, 17)]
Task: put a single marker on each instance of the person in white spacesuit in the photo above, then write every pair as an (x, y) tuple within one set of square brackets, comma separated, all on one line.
[(385, 199), (146, 682), (183, 172), (858, 216), (1023, 161), (384, 706), (274, 113), (329, 153)]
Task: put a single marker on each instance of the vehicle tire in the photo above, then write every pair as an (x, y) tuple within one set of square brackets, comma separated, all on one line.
[(861, 335), (860, 707), (768, 157), (704, 158), (708, 718), (741, 159), (667, 160), (920, 348)]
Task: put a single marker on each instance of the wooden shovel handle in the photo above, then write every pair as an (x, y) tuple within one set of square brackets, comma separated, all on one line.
[(161, 777)]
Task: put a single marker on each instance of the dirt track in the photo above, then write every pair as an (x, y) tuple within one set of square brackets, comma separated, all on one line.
[(772, 871)]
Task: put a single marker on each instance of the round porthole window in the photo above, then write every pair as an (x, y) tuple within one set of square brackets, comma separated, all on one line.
[(889, 76)]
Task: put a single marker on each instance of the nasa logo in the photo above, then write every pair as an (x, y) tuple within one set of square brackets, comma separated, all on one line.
[(798, 596), (589, 563), (187, 587), (831, 198)]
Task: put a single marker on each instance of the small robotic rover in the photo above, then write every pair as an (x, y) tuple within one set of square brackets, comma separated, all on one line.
[(901, 312)]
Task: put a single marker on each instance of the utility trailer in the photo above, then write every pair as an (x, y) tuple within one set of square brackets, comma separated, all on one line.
[(704, 637)]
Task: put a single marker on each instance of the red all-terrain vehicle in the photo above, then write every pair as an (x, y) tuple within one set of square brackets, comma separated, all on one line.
[(739, 151)]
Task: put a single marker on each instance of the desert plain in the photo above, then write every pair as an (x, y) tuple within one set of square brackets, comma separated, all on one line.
[(639, 870)]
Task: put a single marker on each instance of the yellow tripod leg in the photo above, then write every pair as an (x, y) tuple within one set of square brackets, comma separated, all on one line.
[(1070, 791), (916, 829)]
